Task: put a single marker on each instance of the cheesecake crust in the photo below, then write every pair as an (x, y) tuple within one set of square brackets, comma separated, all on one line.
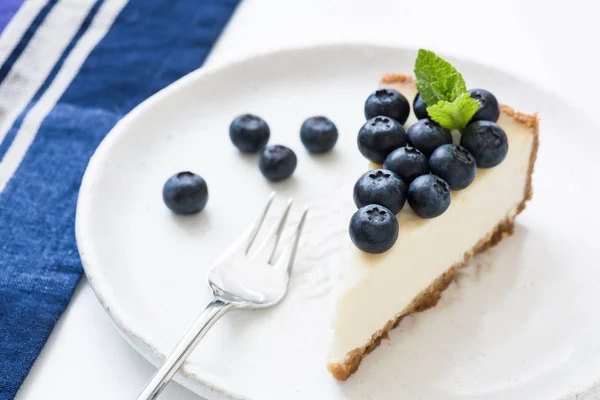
[(430, 296)]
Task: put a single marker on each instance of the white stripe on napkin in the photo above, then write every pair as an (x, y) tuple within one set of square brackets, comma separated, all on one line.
[(107, 13), (35, 63), (17, 26)]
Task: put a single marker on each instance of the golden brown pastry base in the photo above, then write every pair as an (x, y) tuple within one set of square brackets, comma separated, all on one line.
[(431, 295)]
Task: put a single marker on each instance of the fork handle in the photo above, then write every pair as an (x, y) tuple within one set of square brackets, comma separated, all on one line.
[(213, 311)]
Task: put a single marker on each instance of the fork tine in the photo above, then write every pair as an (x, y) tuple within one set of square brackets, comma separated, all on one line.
[(277, 234), (290, 252), (269, 245), (259, 222)]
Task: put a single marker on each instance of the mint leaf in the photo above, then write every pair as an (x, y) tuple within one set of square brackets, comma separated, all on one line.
[(437, 80), (444, 91), (455, 114)]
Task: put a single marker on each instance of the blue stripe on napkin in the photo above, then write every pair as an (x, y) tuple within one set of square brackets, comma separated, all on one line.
[(151, 44), (26, 38), (14, 130)]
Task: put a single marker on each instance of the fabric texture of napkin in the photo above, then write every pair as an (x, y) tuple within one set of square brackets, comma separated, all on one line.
[(69, 70)]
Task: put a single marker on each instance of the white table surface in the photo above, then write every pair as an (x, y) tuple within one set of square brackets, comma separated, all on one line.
[(542, 40)]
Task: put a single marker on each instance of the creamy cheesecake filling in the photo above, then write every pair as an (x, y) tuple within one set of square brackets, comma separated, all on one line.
[(376, 288)]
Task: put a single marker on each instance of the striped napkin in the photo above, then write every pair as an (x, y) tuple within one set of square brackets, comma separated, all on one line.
[(69, 70)]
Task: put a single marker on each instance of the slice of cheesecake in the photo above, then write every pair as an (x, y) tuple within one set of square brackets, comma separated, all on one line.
[(378, 290)]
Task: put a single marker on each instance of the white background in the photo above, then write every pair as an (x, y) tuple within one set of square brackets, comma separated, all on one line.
[(550, 42)]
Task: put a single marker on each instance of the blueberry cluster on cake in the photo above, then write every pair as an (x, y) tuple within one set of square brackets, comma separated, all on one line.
[(448, 177)]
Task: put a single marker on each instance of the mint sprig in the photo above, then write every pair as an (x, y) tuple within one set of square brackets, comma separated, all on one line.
[(444, 91), (456, 114)]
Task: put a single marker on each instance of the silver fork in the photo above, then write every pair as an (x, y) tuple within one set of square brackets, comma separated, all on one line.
[(238, 279)]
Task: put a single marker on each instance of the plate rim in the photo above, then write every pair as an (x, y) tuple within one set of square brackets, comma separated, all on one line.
[(103, 291)]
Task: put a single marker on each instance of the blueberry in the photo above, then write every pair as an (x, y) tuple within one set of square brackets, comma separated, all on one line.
[(318, 134), (277, 162), (427, 135), (249, 133), (408, 162), (429, 196), (373, 229), (379, 136), (387, 102), (419, 107), (454, 164), (486, 141), (185, 193), (489, 109), (382, 187)]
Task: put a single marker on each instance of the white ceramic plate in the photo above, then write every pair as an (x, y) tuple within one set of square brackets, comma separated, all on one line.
[(526, 326)]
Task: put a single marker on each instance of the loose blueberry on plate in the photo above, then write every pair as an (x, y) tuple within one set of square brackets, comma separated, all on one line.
[(387, 102), (427, 135), (318, 134), (429, 196), (249, 133), (382, 187), (419, 107), (454, 164), (408, 162), (373, 229), (277, 162), (185, 193), (489, 109), (486, 141), (379, 136)]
